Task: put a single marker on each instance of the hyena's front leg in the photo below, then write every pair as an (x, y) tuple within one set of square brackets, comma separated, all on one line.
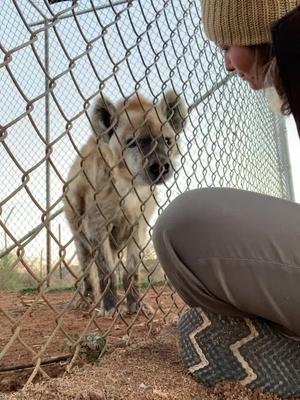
[(107, 277), (131, 279), (85, 260)]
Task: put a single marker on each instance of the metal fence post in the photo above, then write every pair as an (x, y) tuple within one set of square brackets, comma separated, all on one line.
[(283, 151), (47, 137)]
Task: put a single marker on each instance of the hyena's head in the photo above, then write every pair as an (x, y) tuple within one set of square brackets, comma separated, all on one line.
[(142, 137)]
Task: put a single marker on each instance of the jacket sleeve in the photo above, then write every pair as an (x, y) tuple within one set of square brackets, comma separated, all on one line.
[(286, 42)]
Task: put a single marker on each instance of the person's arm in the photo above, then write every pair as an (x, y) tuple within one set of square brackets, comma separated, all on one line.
[(286, 41)]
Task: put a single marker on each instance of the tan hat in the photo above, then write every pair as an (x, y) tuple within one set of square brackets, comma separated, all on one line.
[(243, 22)]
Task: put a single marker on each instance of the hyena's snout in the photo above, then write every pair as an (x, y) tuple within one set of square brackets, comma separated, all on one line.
[(159, 170)]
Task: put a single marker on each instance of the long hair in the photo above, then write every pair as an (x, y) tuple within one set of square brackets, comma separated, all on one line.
[(264, 57)]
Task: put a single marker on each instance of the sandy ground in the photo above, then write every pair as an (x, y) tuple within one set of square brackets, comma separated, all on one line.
[(31, 326), (149, 369)]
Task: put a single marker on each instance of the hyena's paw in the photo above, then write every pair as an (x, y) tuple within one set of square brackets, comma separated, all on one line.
[(84, 302), (135, 307), (110, 313)]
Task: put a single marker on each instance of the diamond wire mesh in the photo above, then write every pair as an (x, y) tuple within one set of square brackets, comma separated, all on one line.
[(56, 59)]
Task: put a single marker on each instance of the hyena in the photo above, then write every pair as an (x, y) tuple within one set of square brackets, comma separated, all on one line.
[(109, 195)]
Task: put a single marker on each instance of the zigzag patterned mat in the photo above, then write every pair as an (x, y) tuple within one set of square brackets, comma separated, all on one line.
[(216, 348)]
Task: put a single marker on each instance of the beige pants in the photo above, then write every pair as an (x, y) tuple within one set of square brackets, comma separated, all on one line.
[(234, 252)]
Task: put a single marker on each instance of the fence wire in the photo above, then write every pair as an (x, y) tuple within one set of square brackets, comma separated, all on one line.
[(156, 74)]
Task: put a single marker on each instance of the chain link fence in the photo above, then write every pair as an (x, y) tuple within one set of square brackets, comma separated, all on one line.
[(57, 59)]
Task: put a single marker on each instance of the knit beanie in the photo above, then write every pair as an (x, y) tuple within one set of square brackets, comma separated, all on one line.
[(243, 22)]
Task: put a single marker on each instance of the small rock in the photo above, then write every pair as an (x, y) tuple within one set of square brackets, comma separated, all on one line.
[(144, 387), (91, 346), (96, 395), (92, 395), (160, 393)]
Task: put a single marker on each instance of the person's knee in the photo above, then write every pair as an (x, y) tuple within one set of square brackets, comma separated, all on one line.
[(184, 214), (188, 208), (170, 221), (193, 222)]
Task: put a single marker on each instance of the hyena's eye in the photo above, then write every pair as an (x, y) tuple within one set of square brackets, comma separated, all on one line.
[(131, 142), (168, 141)]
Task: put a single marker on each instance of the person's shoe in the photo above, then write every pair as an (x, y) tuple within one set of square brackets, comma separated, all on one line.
[(217, 348)]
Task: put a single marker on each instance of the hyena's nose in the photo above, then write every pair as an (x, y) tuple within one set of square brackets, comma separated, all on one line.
[(157, 170)]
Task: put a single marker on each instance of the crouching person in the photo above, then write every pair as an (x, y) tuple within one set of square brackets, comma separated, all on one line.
[(237, 265)]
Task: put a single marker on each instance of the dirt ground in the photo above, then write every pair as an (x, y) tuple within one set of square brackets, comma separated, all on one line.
[(38, 318), (148, 368)]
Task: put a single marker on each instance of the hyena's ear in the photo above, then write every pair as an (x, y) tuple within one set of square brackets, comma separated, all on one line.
[(104, 118), (175, 110)]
